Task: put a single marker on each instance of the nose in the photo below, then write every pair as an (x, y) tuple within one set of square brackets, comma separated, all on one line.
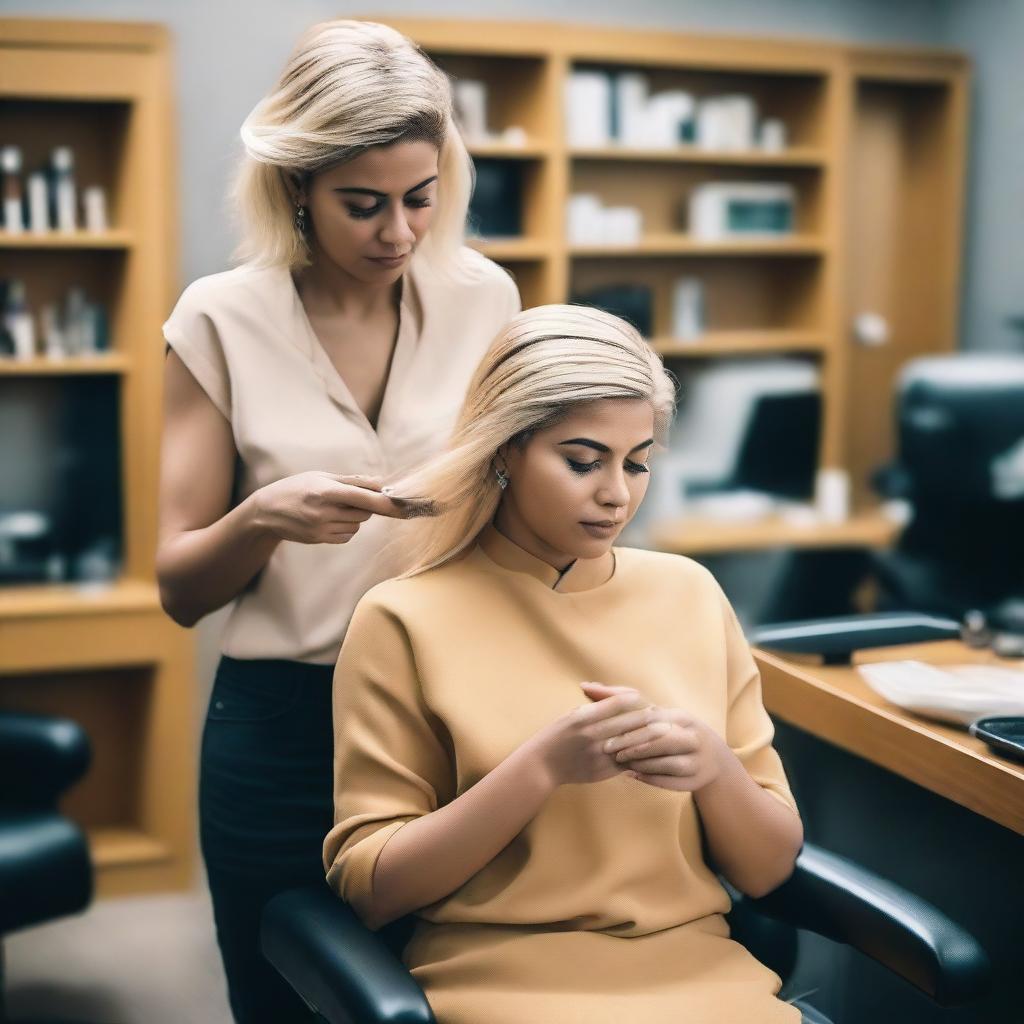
[(614, 492), (395, 231)]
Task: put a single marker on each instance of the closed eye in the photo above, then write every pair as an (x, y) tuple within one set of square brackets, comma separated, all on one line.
[(363, 212), (588, 467)]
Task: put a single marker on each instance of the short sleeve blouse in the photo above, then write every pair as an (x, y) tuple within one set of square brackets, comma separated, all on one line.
[(245, 337)]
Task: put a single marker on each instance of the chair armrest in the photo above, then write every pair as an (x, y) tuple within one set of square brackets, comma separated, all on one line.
[(336, 964), (42, 755), (842, 901)]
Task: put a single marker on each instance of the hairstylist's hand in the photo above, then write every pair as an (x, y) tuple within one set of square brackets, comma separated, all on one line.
[(572, 747), (320, 508), (672, 750)]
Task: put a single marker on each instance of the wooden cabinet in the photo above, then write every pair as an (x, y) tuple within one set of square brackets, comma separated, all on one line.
[(104, 653), (875, 155)]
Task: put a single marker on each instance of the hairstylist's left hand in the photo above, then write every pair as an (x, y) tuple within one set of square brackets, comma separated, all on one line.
[(674, 750)]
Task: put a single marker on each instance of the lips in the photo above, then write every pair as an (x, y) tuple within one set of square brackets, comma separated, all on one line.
[(601, 522)]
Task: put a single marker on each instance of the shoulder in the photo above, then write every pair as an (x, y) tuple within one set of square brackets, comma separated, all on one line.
[(473, 274), (662, 571), (215, 293)]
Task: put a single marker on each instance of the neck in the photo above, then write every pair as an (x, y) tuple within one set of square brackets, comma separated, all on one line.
[(577, 573), (327, 288)]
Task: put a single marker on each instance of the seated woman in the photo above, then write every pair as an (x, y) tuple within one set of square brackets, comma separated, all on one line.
[(546, 747)]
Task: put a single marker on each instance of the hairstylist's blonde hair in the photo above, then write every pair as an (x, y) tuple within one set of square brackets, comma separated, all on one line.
[(544, 362), (347, 86)]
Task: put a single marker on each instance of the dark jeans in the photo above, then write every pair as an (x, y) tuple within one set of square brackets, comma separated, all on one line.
[(265, 805)]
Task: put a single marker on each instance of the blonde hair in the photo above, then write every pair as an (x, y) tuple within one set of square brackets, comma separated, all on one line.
[(543, 363), (347, 86)]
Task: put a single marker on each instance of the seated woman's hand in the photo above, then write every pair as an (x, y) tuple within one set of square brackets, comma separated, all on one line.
[(572, 748), (671, 750)]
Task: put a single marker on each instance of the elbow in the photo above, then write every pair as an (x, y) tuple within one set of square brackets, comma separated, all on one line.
[(770, 877), (177, 609)]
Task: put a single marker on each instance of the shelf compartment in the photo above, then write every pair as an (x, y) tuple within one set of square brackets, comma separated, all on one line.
[(661, 192), (48, 274), (60, 456), (516, 90), (747, 301), (797, 99), (97, 134), (114, 707)]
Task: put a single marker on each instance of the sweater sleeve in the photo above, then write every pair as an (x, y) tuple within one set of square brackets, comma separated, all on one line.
[(191, 330), (391, 754), (749, 730)]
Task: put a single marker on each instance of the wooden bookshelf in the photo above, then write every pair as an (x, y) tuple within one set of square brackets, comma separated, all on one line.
[(875, 150), (103, 653)]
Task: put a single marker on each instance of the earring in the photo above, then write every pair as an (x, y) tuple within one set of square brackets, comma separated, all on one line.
[(300, 218), (502, 478)]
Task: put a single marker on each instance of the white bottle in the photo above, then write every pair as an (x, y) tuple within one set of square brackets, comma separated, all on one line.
[(10, 166), (64, 199), (94, 206), (687, 309), (19, 323), (38, 204)]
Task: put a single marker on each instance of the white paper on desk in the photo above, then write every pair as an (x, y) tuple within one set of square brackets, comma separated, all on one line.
[(953, 693)]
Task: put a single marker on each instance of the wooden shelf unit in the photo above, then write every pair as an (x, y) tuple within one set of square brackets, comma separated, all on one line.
[(876, 155), (105, 654)]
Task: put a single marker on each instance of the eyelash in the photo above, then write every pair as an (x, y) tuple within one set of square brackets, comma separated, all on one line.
[(360, 214), (582, 468)]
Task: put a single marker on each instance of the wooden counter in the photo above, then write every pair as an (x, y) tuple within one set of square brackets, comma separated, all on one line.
[(835, 704)]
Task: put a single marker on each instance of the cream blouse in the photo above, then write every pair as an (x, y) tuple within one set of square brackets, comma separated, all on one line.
[(245, 337)]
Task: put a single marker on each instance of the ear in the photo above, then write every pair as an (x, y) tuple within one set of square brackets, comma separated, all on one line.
[(295, 183)]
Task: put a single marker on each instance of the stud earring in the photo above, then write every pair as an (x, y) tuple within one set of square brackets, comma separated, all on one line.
[(502, 478)]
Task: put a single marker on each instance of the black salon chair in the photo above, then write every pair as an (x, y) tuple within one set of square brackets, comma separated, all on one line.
[(348, 974), (45, 869), (960, 466)]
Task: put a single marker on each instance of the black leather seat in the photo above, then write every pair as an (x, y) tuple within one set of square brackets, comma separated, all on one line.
[(45, 869), (350, 975)]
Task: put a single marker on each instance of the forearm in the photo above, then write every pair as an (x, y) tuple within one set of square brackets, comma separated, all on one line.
[(430, 857), (201, 570), (752, 837)]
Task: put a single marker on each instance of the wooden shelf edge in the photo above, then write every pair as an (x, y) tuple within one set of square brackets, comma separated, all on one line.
[(511, 249), (796, 156), (69, 367), (683, 245), (724, 343), (119, 847), (57, 599), (497, 150), (72, 240), (702, 536)]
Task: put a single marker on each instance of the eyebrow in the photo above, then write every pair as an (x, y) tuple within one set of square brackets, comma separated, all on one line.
[(384, 195), (586, 442)]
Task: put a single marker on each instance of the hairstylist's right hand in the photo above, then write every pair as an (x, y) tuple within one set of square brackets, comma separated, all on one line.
[(572, 747), (320, 508)]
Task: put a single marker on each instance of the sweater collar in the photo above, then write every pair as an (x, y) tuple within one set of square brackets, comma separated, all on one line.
[(500, 550)]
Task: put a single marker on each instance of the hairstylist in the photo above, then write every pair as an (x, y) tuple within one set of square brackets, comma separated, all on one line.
[(337, 352)]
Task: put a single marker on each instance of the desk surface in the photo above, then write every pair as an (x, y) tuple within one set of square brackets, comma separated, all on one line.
[(835, 704)]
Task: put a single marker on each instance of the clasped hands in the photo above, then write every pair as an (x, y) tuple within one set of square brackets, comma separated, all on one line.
[(670, 749)]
